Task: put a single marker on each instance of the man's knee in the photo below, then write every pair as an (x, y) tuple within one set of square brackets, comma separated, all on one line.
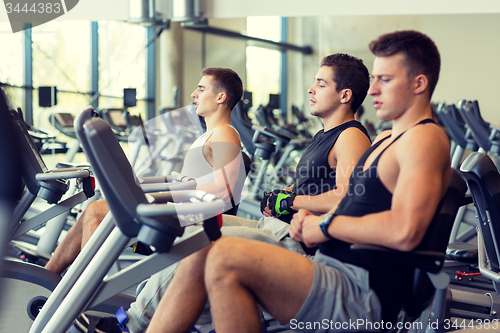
[(223, 257), (95, 212)]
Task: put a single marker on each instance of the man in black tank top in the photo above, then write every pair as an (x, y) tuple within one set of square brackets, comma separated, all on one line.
[(324, 169), (396, 188)]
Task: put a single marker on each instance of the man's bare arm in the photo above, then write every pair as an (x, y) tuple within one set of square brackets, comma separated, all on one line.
[(419, 164)]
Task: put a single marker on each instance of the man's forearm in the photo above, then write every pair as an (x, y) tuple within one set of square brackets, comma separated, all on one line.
[(322, 203)]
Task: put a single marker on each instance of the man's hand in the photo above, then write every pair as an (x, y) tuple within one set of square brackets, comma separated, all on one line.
[(295, 229), (304, 227), (312, 235), (280, 202)]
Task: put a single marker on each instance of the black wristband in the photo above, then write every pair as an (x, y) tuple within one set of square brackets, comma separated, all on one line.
[(325, 222)]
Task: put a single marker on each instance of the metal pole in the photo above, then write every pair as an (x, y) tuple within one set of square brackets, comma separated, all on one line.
[(94, 64), (150, 75), (284, 71), (28, 75)]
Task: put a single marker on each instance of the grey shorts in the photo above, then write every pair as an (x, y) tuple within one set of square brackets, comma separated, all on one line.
[(340, 299)]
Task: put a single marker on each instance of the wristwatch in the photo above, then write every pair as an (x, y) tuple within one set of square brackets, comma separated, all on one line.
[(325, 222)]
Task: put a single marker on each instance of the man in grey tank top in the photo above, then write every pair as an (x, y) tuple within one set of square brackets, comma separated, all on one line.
[(323, 294), (217, 93)]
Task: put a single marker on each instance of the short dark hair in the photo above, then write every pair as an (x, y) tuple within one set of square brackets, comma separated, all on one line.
[(420, 53), (225, 79), (349, 73)]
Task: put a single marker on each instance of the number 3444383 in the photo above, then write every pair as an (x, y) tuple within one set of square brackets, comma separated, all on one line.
[(41, 8), (478, 323)]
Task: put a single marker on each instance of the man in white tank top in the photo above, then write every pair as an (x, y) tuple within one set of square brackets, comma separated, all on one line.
[(214, 159)]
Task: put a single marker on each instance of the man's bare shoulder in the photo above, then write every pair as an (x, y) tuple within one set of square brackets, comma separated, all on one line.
[(352, 137), (354, 132), (225, 133), (427, 142), (429, 134)]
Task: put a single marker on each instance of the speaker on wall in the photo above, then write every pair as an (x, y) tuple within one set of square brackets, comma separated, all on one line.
[(47, 96), (129, 97)]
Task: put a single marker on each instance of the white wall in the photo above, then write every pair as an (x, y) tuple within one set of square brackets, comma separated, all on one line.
[(219, 52), (469, 47), (470, 51)]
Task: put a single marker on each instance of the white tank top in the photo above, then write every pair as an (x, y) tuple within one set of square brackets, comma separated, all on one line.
[(197, 167)]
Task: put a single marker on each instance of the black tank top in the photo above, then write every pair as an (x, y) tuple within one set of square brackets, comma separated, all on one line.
[(367, 195), (313, 172)]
